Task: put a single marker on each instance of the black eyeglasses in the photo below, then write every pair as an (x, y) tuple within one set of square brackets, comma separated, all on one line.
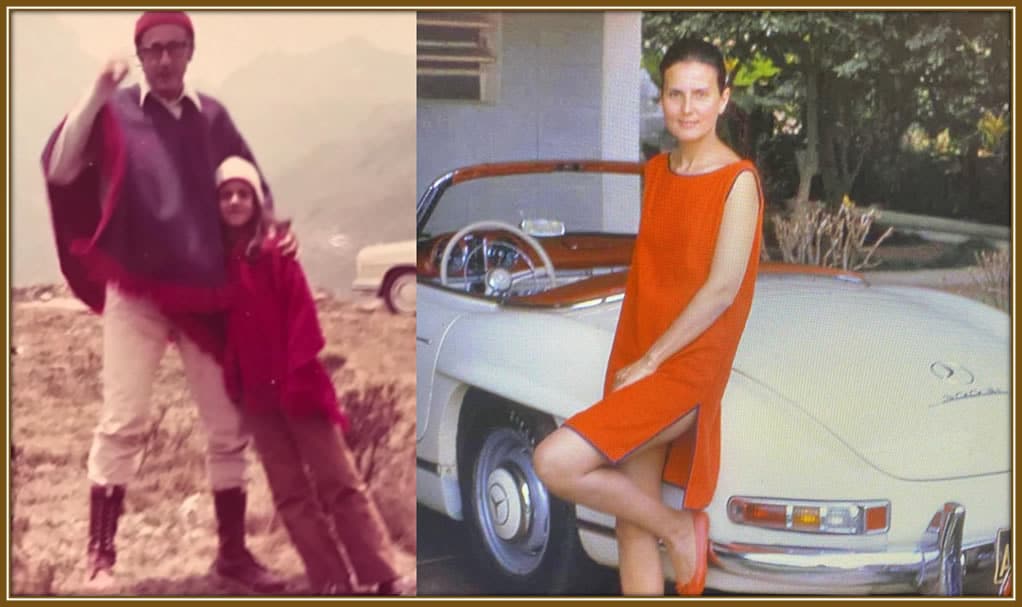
[(177, 49)]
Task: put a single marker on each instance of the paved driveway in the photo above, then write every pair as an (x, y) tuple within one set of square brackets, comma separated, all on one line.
[(444, 562)]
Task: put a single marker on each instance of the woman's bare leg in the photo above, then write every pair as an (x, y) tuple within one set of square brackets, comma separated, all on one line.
[(640, 567), (574, 470)]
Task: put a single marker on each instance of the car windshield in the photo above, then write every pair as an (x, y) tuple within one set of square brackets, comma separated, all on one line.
[(518, 230), (581, 202)]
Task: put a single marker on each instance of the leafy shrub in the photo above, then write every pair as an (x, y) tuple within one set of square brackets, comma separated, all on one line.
[(812, 234), (992, 276)]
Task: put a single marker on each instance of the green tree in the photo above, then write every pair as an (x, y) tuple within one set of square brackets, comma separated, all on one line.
[(855, 81)]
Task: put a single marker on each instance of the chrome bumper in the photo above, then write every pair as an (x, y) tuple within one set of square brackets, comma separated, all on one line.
[(366, 285), (938, 565)]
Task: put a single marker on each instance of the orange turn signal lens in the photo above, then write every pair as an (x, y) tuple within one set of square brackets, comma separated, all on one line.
[(876, 518), (804, 517)]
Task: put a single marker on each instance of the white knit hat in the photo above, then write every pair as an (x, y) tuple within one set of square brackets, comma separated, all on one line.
[(236, 167)]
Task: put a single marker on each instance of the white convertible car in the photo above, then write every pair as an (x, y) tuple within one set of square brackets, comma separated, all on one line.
[(388, 271), (866, 431)]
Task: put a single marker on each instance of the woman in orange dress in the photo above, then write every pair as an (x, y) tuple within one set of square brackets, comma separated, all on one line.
[(688, 295)]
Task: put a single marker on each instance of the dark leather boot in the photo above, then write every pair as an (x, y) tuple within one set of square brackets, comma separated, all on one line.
[(106, 503), (335, 589), (233, 560), (391, 587)]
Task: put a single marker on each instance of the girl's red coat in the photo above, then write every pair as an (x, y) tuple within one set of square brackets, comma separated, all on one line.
[(274, 337)]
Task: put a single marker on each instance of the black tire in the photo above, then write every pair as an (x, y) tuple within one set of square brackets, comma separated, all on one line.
[(542, 554), (394, 291)]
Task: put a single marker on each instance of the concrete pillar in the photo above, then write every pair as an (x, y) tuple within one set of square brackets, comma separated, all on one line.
[(619, 116)]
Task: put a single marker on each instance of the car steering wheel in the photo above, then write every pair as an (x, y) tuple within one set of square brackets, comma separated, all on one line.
[(497, 279)]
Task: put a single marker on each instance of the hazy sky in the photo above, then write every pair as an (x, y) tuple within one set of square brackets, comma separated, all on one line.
[(227, 40)]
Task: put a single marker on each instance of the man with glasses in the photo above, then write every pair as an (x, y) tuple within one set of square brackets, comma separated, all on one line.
[(130, 178)]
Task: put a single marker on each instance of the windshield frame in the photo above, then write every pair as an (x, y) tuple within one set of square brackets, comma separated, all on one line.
[(427, 203)]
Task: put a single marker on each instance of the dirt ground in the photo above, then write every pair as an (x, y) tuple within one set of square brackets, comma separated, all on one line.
[(167, 538)]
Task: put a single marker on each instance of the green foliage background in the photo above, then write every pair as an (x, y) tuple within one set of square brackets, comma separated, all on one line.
[(907, 109)]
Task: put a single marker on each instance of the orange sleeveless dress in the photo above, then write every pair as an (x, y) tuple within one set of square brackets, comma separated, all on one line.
[(674, 248)]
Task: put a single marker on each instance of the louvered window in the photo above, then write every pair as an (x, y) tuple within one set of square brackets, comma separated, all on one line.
[(456, 53)]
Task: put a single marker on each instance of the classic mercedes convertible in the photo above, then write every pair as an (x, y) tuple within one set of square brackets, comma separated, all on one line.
[(866, 430)]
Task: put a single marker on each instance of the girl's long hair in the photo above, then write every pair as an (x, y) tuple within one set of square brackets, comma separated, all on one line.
[(254, 235)]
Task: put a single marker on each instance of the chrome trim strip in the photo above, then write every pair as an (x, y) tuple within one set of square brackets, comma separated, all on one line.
[(427, 465), (427, 202), (912, 569), (946, 539), (851, 278), (588, 303), (796, 271)]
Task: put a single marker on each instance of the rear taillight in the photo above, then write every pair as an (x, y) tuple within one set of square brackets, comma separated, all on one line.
[(812, 516)]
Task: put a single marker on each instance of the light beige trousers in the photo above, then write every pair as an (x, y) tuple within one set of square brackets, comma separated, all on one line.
[(135, 336)]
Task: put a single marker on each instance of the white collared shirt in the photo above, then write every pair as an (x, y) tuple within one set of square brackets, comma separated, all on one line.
[(67, 159), (173, 105)]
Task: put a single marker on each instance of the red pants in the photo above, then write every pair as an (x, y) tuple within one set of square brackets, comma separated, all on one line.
[(315, 483)]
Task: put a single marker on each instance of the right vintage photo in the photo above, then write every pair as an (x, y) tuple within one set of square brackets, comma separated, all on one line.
[(714, 303)]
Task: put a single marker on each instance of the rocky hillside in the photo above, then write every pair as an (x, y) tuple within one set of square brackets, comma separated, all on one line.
[(167, 537)]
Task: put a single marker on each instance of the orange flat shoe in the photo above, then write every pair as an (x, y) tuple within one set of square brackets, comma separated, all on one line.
[(694, 586)]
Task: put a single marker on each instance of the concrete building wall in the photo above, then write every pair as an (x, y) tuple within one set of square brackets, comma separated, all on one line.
[(566, 91)]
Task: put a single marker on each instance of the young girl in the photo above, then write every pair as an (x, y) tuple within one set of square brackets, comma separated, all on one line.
[(290, 406)]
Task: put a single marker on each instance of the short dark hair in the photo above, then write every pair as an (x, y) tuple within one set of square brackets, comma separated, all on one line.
[(694, 49)]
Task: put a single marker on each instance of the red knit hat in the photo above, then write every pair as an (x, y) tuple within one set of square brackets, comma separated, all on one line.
[(153, 18)]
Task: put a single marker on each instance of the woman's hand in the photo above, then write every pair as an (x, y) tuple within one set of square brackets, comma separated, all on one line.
[(629, 374)]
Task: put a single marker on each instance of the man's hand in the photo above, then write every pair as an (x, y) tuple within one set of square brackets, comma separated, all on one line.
[(110, 77), (287, 243), (69, 154)]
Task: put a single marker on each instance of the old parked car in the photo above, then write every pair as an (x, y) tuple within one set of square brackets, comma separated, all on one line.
[(866, 430), (388, 271)]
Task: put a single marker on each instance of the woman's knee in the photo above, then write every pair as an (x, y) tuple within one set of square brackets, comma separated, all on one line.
[(562, 458), (554, 462), (544, 461)]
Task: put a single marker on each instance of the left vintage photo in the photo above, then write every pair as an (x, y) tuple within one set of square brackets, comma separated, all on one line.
[(211, 274)]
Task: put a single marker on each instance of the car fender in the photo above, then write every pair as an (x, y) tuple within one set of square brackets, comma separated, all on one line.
[(542, 361), (771, 448), (389, 274), (518, 372), (444, 493)]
